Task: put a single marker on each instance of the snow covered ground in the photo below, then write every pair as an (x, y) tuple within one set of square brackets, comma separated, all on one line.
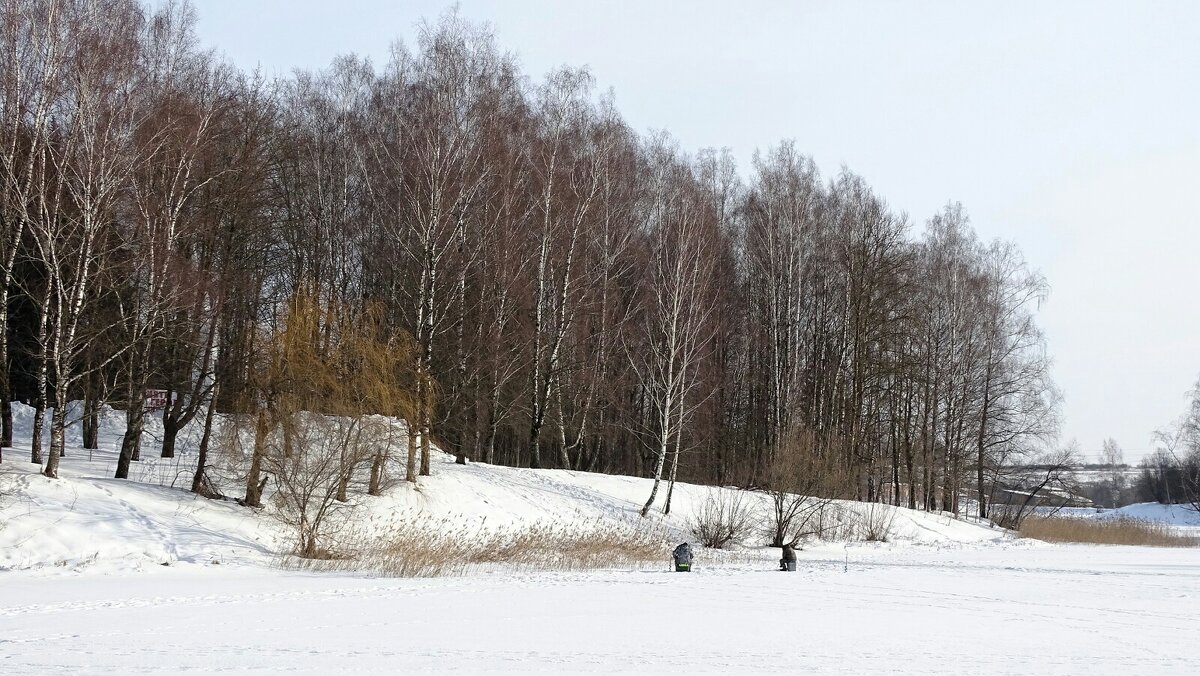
[(1040, 610), (105, 576)]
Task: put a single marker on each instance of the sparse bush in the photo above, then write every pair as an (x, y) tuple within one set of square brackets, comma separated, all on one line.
[(836, 522), (800, 483), (1052, 484), (6, 489), (311, 460), (1169, 479), (1007, 515), (332, 375), (794, 517), (851, 522), (875, 521), (1118, 531), (335, 360), (725, 517)]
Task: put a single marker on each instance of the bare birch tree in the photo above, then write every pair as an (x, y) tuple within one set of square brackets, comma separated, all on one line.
[(679, 304), (183, 96)]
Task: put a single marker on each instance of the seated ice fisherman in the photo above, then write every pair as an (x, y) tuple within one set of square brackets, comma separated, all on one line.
[(789, 556), (683, 557)]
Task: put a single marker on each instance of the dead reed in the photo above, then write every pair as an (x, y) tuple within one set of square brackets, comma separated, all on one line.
[(423, 551), (1117, 531)]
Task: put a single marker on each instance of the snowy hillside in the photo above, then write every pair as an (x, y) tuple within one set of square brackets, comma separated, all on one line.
[(88, 521)]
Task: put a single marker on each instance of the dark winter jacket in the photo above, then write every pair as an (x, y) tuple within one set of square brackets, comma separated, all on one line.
[(789, 553), (683, 553)]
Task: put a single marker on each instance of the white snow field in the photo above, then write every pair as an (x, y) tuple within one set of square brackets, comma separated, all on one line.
[(84, 589)]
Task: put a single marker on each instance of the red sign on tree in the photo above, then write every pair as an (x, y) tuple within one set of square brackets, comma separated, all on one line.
[(155, 400)]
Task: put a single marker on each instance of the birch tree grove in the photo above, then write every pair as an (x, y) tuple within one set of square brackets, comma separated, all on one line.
[(563, 291), (90, 164)]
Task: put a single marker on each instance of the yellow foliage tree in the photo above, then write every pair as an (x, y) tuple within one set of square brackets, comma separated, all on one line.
[(330, 393)]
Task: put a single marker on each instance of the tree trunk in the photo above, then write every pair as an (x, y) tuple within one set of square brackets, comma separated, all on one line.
[(198, 480), (39, 423), (6, 414), (410, 470), (425, 449), (375, 485), (254, 484), (171, 433), (981, 451), (535, 457), (489, 454), (6, 419), (674, 461), (135, 421), (459, 443), (58, 434), (658, 469), (39, 414), (671, 480), (91, 415), (91, 425)]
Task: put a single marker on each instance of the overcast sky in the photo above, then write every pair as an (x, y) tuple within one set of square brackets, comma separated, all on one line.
[(1070, 128)]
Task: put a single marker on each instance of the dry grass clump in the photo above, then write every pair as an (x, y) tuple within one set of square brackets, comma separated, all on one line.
[(422, 551), (555, 547), (419, 552), (1118, 531)]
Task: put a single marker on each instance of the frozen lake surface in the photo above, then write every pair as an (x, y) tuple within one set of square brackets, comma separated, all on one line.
[(1018, 610)]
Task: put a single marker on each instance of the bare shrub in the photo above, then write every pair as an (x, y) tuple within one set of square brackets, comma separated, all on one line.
[(875, 521), (725, 517), (801, 485), (389, 436), (851, 522), (7, 488), (311, 457), (335, 360), (1118, 531), (1048, 486), (835, 522), (333, 376)]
